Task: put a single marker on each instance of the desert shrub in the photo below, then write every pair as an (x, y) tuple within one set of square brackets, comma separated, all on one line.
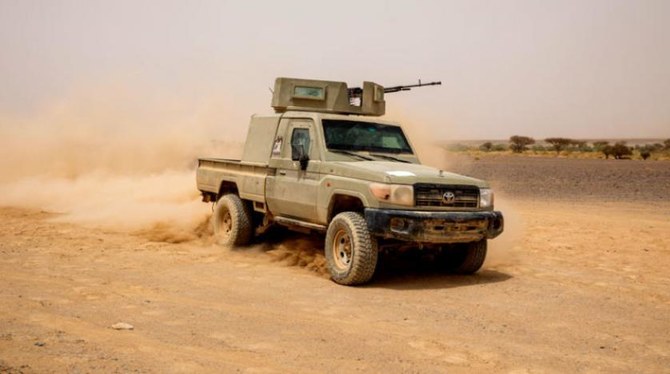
[(621, 151), (580, 146), (600, 145), (559, 144), (647, 149), (571, 145), (607, 150), (538, 148), (499, 147), (486, 147), (584, 147), (519, 143)]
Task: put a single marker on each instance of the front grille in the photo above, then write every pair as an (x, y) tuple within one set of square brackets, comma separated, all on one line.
[(434, 195)]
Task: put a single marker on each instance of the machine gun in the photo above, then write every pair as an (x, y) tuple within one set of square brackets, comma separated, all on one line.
[(409, 87), (357, 91)]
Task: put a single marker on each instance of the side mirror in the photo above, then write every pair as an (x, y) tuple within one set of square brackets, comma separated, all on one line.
[(303, 157), (298, 153)]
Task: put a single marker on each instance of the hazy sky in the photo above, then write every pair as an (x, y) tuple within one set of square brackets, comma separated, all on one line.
[(539, 68)]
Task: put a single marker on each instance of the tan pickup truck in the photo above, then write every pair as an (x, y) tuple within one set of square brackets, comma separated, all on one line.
[(325, 162)]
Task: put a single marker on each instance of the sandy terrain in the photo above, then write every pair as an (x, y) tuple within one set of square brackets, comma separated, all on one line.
[(578, 283)]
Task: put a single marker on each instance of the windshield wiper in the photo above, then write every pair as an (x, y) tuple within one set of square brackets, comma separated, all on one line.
[(349, 153), (389, 158)]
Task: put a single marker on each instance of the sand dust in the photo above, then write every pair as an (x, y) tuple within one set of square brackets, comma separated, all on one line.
[(115, 158), (293, 249)]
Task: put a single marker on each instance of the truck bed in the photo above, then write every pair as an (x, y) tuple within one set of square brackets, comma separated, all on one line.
[(248, 177)]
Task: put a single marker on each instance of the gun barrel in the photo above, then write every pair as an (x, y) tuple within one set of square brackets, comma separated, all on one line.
[(357, 91), (410, 86)]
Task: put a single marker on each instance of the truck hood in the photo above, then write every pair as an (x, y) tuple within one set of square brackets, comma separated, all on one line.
[(400, 173)]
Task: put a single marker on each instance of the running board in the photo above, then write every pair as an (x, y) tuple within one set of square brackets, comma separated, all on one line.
[(290, 222)]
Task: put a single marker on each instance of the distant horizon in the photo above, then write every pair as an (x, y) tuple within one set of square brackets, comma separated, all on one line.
[(630, 141)]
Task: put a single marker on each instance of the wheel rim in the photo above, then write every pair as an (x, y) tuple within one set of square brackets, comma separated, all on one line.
[(226, 225), (342, 249)]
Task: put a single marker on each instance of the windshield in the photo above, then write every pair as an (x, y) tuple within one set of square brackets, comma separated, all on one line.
[(364, 136)]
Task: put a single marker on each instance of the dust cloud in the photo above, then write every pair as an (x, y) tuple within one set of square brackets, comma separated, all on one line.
[(300, 251), (506, 249), (422, 136), (116, 158)]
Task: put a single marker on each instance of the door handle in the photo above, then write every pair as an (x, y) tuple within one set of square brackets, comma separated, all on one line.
[(282, 173)]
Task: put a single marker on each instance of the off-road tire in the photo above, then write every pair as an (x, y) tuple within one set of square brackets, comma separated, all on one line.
[(231, 221), (351, 252), (464, 258)]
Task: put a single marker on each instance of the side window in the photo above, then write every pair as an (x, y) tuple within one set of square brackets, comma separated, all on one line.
[(299, 143)]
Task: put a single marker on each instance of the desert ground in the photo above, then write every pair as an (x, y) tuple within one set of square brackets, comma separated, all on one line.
[(579, 282)]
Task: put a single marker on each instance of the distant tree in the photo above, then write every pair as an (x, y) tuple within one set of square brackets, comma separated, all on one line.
[(559, 144), (621, 151), (647, 149), (607, 150), (486, 147), (520, 143), (666, 144), (598, 146), (582, 146)]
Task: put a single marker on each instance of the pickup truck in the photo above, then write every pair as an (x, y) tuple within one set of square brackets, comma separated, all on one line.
[(325, 162)]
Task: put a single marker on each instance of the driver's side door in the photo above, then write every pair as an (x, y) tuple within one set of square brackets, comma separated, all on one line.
[(292, 192)]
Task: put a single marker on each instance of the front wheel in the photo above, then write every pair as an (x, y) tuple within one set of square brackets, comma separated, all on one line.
[(232, 221), (351, 252), (464, 258)]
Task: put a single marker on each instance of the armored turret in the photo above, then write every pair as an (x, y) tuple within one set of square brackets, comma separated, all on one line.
[(312, 95), (328, 97)]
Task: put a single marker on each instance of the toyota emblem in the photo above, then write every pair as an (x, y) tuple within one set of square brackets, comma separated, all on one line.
[(448, 197)]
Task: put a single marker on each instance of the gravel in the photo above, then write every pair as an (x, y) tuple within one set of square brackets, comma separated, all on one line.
[(571, 179)]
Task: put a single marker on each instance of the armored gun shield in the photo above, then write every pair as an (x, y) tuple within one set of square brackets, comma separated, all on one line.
[(328, 97)]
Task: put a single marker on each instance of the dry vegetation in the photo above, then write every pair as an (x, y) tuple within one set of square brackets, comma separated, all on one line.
[(653, 150)]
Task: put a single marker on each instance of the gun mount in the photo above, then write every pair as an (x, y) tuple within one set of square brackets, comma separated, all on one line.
[(333, 97), (357, 91)]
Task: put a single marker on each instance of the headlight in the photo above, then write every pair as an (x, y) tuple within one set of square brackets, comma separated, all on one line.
[(485, 198), (400, 194)]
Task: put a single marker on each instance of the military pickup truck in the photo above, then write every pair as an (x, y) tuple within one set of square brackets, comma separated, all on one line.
[(325, 162)]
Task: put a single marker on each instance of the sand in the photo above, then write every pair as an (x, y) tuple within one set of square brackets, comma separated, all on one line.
[(577, 284)]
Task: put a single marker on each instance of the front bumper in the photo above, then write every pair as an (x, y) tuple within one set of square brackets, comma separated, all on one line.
[(434, 227)]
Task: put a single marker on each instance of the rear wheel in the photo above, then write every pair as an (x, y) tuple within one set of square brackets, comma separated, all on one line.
[(232, 221), (464, 258), (351, 252)]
